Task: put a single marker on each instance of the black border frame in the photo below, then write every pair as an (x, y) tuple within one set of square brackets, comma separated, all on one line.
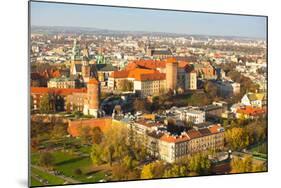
[(132, 7)]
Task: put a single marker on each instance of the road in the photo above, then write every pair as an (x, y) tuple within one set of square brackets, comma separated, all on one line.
[(68, 179)]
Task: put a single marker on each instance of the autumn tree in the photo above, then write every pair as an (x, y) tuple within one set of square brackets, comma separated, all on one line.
[(153, 170), (241, 165), (199, 99), (211, 89), (97, 135), (113, 144), (139, 105), (175, 171), (59, 130), (96, 154), (126, 170), (44, 105), (46, 159), (119, 172), (237, 138), (86, 135), (78, 172), (147, 171), (199, 163)]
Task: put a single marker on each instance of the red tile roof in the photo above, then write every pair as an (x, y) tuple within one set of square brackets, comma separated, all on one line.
[(214, 128), (171, 60), (148, 64), (59, 91), (120, 74), (193, 134), (139, 74), (251, 111), (174, 139)]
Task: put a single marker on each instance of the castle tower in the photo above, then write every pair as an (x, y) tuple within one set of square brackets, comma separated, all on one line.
[(92, 103), (85, 69), (171, 74)]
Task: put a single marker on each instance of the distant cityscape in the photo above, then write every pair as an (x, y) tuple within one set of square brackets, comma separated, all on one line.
[(110, 105)]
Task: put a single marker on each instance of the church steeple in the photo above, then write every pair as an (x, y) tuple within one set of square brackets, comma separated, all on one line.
[(75, 51)]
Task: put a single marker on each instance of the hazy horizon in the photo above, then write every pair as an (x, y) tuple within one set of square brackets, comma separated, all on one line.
[(144, 20)]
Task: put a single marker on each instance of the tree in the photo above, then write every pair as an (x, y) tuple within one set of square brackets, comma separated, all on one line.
[(96, 154), (31, 102), (34, 144), (86, 135), (78, 172), (199, 99), (147, 171), (237, 138), (175, 171), (97, 135), (68, 106), (241, 165), (59, 130), (113, 146), (139, 105), (44, 105), (46, 159), (153, 170), (211, 89), (199, 163), (128, 162), (259, 167)]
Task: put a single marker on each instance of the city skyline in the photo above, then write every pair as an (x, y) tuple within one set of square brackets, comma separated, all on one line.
[(134, 19)]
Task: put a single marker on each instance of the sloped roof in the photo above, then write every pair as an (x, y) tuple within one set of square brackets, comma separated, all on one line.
[(174, 139), (139, 74), (193, 134), (59, 91)]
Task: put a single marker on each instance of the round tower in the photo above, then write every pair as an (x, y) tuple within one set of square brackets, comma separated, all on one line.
[(171, 74), (92, 103)]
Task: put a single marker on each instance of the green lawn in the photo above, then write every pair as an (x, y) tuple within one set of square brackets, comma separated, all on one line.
[(261, 148), (52, 179), (34, 182), (68, 168), (68, 160)]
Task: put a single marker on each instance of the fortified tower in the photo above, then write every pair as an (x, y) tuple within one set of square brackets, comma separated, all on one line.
[(91, 106), (171, 73)]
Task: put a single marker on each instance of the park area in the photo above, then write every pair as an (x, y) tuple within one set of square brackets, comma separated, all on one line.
[(71, 164), (259, 151)]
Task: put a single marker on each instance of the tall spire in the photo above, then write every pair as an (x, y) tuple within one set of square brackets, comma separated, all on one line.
[(75, 50)]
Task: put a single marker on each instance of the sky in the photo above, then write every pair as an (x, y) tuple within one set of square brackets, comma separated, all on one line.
[(131, 19)]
